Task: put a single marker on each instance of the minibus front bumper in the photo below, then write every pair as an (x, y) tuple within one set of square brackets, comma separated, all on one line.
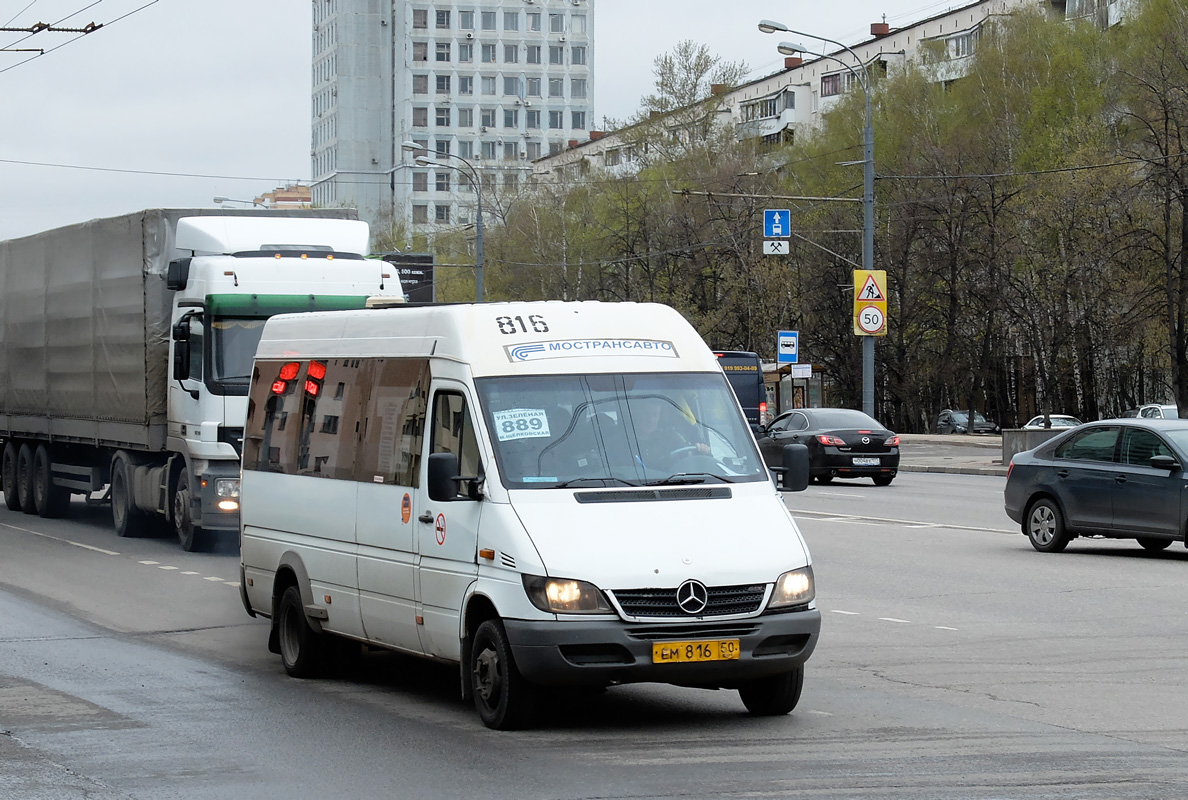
[(602, 652)]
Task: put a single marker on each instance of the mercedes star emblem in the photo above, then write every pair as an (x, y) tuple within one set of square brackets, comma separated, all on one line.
[(692, 597)]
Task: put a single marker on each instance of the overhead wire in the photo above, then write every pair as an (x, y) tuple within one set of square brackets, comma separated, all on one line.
[(81, 35)]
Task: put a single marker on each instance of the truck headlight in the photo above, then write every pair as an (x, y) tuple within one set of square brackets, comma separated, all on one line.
[(564, 596), (227, 493), (795, 588)]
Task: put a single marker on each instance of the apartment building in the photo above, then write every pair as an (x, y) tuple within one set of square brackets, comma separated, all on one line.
[(485, 86)]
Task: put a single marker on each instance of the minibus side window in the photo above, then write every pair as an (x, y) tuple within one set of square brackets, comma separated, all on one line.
[(393, 425), (453, 432), (269, 443)]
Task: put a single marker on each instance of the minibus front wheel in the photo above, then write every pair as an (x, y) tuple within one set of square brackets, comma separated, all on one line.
[(302, 649), (504, 700), (775, 695)]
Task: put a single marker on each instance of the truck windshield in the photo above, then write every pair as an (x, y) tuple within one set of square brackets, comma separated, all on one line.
[(232, 348), (617, 430)]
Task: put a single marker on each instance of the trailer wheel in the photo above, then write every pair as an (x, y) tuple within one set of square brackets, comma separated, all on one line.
[(49, 500), (25, 479), (189, 535), (8, 473), (129, 520)]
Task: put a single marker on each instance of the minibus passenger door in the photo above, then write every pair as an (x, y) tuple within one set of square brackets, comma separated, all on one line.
[(448, 527)]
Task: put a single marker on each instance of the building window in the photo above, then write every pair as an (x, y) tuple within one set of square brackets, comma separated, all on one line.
[(579, 120), (511, 87), (488, 181), (614, 157), (487, 119), (511, 20), (420, 51), (443, 20), (420, 18), (577, 54), (577, 23), (533, 87), (465, 117), (441, 212), (556, 54), (963, 45), (556, 23), (443, 84), (488, 85), (511, 54), (420, 117), (442, 147), (466, 84), (533, 54), (330, 423), (466, 20), (489, 151), (441, 181), (556, 120), (577, 87), (534, 21), (420, 84), (443, 51), (532, 120), (442, 117), (488, 20), (420, 215), (830, 85), (465, 52), (555, 148), (466, 150), (556, 87), (420, 181), (488, 54), (510, 179), (533, 148), (511, 151), (511, 118)]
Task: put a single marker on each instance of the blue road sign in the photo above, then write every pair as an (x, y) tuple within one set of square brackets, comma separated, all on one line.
[(777, 223), (788, 347)]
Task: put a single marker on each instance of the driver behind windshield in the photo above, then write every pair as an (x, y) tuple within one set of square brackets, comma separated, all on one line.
[(664, 432)]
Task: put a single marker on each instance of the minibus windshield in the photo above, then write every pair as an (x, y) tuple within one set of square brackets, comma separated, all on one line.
[(617, 430)]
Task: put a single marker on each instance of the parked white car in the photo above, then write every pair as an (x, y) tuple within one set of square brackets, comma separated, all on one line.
[(1060, 421)]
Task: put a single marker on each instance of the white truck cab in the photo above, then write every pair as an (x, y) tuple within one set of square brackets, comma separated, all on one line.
[(547, 494)]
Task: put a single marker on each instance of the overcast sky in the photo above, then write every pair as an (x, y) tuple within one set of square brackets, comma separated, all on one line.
[(214, 95)]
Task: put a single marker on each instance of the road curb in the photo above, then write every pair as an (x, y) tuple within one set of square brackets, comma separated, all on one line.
[(999, 471)]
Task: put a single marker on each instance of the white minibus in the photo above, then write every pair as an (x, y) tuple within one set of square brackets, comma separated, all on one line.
[(547, 494)]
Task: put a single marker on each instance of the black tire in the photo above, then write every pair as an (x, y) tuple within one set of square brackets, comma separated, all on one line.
[(24, 475), (128, 520), (773, 696), (1044, 526), (303, 650), (824, 478), (504, 700), (191, 537), (49, 500), (8, 473), (882, 480), (1154, 545)]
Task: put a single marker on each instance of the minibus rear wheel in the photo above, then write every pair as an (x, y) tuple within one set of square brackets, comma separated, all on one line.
[(775, 695), (302, 649), (504, 700)]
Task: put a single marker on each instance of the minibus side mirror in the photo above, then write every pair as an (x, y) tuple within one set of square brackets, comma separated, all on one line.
[(445, 482), (794, 475)]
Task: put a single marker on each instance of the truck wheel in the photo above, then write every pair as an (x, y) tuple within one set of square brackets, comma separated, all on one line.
[(50, 500), (8, 473), (773, 696), (303, 650), (505, 701), (129, 520), (188, 534), (25, 479)]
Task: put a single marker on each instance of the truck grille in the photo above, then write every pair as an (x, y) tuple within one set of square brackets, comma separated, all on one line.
[(723, 600)]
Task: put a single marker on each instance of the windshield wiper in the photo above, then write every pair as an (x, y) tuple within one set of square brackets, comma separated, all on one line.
[(682, 478), (601, 482)]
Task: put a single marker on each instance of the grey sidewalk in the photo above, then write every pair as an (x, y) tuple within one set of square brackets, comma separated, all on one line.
[(955, 453)]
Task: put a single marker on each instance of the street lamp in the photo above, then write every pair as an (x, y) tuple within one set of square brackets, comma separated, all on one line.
[(253, 203), (471, 174), (787, 48)]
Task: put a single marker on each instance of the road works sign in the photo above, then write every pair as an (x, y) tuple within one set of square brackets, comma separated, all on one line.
[(870, 302)]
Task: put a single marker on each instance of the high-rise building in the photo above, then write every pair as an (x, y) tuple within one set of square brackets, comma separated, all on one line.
[(484, 85)]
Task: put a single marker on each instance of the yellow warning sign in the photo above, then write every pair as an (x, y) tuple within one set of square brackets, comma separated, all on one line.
[(870, 302)]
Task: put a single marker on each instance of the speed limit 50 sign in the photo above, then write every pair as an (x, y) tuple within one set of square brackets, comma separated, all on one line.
[(870, 302)]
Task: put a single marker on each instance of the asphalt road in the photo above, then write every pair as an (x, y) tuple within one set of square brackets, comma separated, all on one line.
[(955, 662)]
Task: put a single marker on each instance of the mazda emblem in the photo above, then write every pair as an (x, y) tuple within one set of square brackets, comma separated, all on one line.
[(692, 597), (866, 440)]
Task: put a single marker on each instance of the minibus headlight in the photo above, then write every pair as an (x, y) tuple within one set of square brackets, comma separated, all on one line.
[(564, 596), (795, 588)]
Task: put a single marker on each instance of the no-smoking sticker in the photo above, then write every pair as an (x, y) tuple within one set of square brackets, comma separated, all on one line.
[(439, 529)]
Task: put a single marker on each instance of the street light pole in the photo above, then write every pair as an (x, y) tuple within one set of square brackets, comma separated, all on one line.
[(471, 174), (868, 345)]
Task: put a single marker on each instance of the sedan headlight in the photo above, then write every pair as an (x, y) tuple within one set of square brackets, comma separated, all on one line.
[(795, 588), (564, 596)]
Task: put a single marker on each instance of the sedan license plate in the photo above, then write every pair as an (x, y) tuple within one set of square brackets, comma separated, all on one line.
[(865, 462), (706, 650)]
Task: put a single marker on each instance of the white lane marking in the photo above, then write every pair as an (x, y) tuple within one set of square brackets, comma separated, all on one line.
[(945, 628), (166, 567), (844, 494), (847, 613), (818, 713), (232, 583), (925, 525), (831, 517), (220, 580), (148, 563), (60, 539), (893, 619), (191, 572)]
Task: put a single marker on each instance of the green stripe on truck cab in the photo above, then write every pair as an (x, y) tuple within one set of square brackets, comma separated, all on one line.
[(262, 306)]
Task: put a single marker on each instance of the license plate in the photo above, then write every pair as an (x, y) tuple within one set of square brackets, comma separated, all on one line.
[(865, 462), (707, 650)]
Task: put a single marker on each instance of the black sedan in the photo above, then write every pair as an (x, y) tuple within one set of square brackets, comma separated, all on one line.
[(842, 443), (1119, 479)]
